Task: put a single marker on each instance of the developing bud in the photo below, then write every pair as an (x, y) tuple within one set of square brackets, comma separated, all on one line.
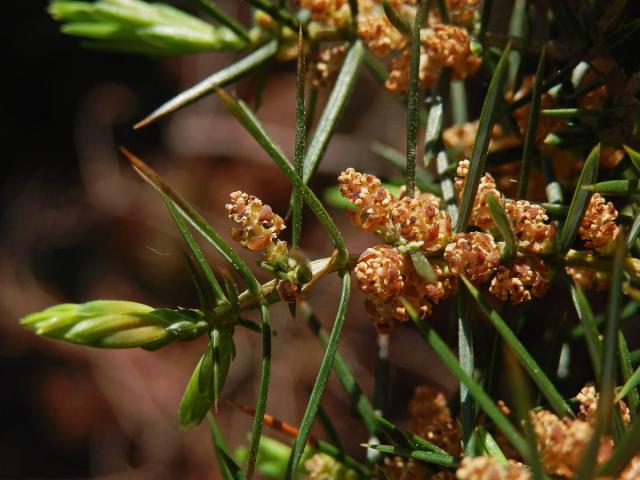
[(520, 279), (371, 200), (115, 324), (489, 468), (473, 254), (259, 226), (598, 229), (420, 224), (448, 46), (534, 235)]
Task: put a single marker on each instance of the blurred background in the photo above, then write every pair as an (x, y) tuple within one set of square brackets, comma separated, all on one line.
[(77, 224)]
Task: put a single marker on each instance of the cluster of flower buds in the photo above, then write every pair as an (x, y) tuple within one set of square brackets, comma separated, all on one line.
[(410, 224), (258, 230), (598, 228), (442, 45), (520, 279), (563, 442), (390, 281), (598, 231), (416, 224)]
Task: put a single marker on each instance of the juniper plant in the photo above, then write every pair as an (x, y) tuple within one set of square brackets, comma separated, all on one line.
[(457, 227)]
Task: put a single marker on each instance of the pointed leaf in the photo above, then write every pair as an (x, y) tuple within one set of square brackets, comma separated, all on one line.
[(423, 267), (615, 187), (224, 18), (590, 330), (421, 455), (481, 145), (321, 380), (342, 370), (194, 404), (547, 388), (631, 378), (466, 358), (487, 445), (301, 134), (228, 468), (532, 129), (523, 404), (196, 253), (219, 79), (579, 201), (503, 223), (484, 401), (333, 110), (605, 404), (398, 21)]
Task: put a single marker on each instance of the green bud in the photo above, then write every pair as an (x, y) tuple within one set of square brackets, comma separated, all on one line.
[(135, 26), (116, 324)]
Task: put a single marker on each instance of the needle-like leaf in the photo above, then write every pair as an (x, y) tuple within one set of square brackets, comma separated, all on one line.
[(631, 378), (589, 328), (615, 187), (520, 352), (228, 468), (223, 17), (300, 137), (406, 439), (605, 404), (398, 21), (521, 396), (579, 201), (321, 380), (532, 128), (484, 401), (481, 145), (333, 110), (427, 457), (219, 79), (467, 362), (342, 370)]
